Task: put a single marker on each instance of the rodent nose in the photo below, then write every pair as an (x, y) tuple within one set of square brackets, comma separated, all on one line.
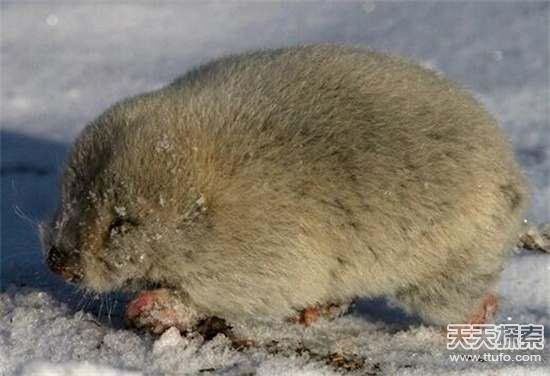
[(64, 265)]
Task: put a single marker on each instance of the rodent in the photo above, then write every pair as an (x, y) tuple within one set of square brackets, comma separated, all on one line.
[(260, 184)]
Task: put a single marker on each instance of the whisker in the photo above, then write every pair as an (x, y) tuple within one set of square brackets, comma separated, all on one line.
[(21, 214), (109, 308), (81, 300), (87, 300)]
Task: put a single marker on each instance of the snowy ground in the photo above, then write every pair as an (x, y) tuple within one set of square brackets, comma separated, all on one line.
[(63, 64)]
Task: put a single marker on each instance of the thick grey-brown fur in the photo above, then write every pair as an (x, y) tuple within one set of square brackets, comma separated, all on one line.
[(263, 183)]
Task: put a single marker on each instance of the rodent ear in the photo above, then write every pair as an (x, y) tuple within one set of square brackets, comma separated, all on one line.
[(195, 210)]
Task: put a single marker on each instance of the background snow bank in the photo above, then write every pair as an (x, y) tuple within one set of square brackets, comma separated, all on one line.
[(63, 64)]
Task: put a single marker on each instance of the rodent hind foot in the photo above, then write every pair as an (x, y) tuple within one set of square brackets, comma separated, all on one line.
[(485, 311), (328, 311)]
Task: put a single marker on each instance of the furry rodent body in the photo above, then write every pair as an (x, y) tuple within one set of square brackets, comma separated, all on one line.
[(263, 183)]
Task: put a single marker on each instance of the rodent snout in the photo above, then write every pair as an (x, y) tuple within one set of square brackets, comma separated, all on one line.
[(64, 264)]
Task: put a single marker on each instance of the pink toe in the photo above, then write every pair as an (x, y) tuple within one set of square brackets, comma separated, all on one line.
[(142, 303)]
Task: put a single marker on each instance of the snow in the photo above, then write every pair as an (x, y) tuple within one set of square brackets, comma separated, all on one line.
[(62, 64)]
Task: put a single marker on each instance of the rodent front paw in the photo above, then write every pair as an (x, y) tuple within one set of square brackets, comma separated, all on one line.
[(158, 310)]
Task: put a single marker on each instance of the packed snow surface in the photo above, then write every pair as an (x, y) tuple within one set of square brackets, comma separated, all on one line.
[(63, 63)]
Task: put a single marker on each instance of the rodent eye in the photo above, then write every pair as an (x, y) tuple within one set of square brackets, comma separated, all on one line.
[(121, 225)]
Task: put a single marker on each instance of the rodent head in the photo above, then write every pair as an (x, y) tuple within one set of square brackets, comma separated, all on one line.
[(95, 243), (123, 210)]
